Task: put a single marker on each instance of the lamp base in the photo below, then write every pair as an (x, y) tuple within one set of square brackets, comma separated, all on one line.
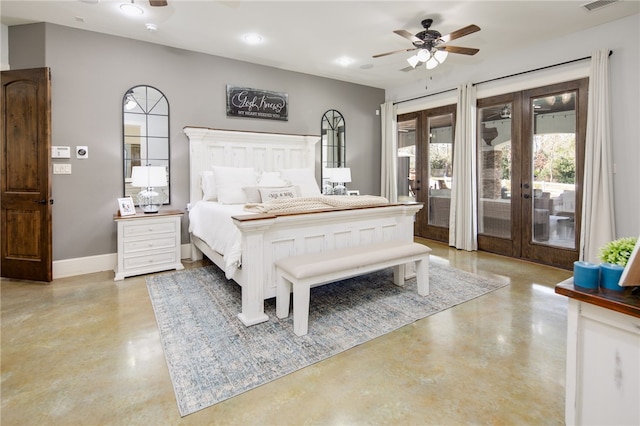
[(340, 190), (150, 208)]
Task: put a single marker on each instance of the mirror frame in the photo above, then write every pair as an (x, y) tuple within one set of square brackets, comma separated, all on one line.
[(140, 94), (332, 121)]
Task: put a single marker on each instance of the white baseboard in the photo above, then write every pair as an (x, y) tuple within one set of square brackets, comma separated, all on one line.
[(90, 264)]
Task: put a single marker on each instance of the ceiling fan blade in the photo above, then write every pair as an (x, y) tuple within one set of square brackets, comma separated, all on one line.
[(395, 51), (461, 50), (406, 34), (469, 29), (158, 2)]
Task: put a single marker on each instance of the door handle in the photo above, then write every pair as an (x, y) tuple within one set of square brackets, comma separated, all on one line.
[(527, 196), (43, 202)]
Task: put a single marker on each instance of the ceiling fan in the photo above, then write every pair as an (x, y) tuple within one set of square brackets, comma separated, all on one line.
[(430, 45)]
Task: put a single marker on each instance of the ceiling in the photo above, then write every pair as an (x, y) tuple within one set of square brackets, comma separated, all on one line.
[(310, 36)]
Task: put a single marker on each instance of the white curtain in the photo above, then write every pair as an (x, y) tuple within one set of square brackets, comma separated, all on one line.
[(463, 217), (389, 161), (598, 220)]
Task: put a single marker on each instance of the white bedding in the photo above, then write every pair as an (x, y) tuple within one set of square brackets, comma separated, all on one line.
[(211, 222)]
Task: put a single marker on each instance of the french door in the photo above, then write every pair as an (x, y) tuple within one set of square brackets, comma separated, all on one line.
[(425, 167), (530, 168)]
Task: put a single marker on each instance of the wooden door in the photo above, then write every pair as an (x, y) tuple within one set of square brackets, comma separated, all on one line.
[(26, 170), (530, 168), (554, 133)]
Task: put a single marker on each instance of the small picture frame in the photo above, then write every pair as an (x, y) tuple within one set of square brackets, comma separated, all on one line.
[(353, 192), (127, 208)]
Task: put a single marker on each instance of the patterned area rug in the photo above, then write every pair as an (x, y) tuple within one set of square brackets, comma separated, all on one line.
[(212, 356)]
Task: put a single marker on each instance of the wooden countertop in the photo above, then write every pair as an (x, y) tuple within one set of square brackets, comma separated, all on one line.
[(624, 301)]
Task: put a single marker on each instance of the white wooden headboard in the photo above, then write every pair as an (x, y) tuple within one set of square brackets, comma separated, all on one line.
[(235, 148)]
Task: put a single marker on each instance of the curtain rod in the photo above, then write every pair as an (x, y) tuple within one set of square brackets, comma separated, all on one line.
[(500, 78)]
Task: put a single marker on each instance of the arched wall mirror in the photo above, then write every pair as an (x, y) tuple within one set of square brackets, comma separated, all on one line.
[(145, 129), (333, 153)]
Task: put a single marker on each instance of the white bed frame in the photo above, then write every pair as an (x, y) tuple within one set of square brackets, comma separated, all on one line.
[(267, 238)]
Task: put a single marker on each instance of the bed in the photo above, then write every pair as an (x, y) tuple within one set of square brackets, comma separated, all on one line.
[(263, 238)]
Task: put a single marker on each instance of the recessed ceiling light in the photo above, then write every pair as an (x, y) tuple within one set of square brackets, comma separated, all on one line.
[(344, 61), (131, 9), (252, 38)]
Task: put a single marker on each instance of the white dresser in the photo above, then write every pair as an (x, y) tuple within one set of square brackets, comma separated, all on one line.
[(603, 356), (148, 243)]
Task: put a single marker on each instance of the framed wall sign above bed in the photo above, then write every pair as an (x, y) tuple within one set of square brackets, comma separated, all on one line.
[(257, 103)]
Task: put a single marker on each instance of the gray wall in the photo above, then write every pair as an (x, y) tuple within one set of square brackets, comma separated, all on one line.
[(92, 71)]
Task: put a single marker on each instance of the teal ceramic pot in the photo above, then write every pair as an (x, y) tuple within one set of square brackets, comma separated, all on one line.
[(610, 276)]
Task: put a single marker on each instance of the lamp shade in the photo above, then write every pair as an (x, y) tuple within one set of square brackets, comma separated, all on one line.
[(413, 61), (441, 55), (423, 55), (341, 175), (148, 176)]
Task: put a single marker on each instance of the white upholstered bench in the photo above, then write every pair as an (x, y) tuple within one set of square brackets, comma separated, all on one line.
[(300, 273)]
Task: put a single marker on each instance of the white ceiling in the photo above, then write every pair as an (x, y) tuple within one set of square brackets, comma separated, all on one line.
[(309, 36)]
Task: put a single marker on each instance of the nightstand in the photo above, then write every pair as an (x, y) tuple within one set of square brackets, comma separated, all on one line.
[(148, 243)]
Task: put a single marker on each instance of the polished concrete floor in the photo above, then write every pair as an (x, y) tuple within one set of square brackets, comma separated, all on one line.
[(86, 350)]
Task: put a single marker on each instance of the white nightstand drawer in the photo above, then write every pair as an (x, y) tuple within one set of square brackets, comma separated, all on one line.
[(152, 227), (149, 244), (154, 259)]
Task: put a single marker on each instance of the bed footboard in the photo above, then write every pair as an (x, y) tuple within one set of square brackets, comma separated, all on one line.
[(267, 238)]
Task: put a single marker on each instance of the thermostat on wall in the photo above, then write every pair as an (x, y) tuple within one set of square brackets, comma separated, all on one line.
[(60, 152), (82, 152)]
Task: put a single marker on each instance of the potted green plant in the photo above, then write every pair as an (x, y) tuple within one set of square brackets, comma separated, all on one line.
[(615, 255)]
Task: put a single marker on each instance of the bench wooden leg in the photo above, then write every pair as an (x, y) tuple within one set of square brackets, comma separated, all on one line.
[(283, 296), (399, 275), (301, 294), (422, 276)]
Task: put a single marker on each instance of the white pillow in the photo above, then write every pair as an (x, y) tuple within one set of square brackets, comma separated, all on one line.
[(208, 184), (270, 194), (252, 194), (304, 178), (230, 181), (272, 179)]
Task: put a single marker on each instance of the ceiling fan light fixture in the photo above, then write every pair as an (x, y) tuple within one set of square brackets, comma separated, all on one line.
[(129, 102), (432, 63), (441, 55), (413, 61), (131, 9), (423, 55)]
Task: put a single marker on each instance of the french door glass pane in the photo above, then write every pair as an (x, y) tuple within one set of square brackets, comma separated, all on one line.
[(440, 168), (494, 171), (554, 169), (407, 160)]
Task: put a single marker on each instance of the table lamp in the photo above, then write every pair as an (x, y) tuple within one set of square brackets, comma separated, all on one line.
[(152, 179)]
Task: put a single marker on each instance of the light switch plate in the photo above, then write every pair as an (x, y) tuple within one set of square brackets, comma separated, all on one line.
[(62, 169)]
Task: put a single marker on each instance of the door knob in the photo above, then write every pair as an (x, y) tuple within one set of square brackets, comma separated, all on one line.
[(527, 196)]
